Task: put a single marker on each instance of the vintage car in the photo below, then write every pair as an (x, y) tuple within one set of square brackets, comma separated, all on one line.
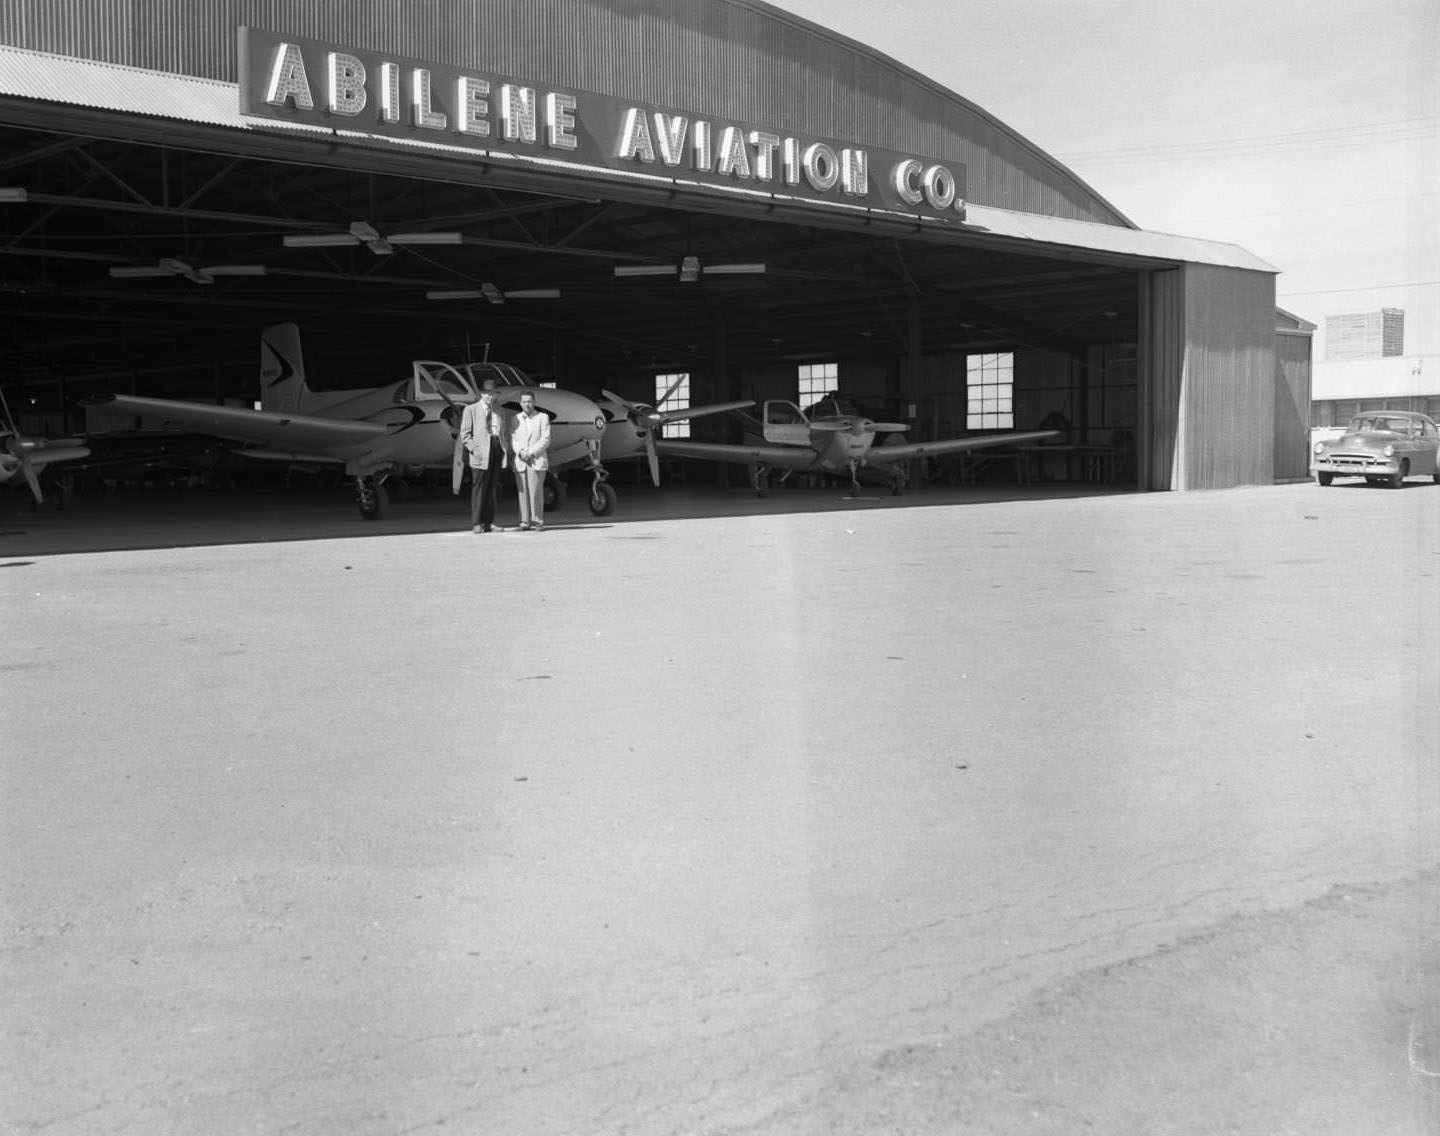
[(1382, 446)]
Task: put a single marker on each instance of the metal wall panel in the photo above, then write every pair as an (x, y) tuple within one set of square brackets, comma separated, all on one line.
[(1292, 405), (723, 59), (1161, 382), (1227, 418)]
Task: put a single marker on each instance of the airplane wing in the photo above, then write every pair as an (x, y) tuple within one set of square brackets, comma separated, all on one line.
[(881, 455), (290, 433), (786, 457)]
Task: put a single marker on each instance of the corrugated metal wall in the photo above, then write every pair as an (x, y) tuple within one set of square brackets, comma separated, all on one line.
[(1161, 353), (1228, 413), (735, 59), (1292, 405)]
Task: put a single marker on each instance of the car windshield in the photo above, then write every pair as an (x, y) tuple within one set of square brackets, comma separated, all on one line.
[(1380, 422)]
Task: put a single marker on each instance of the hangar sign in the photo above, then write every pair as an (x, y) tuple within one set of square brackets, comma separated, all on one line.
[(292, 79)]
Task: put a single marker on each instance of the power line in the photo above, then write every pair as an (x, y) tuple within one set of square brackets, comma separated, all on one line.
[(1366, 288), (1397, 131)]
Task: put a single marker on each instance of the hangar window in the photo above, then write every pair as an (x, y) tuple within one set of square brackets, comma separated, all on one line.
[(816, 381), (672, 392), (990, 392)]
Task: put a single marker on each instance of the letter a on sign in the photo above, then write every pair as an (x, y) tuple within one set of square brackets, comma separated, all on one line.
[(288, 79)]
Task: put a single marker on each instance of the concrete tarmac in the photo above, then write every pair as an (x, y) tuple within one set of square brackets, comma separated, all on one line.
[(674, 822)]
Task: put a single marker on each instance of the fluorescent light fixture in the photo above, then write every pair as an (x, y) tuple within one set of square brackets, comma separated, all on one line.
[(734, 269), (13, 193), (644, 270), (454, 294), (427, 238)]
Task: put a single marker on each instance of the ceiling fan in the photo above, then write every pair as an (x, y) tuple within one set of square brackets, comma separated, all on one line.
[(364, 233), (174, 266), (689, 270), (488, 291)]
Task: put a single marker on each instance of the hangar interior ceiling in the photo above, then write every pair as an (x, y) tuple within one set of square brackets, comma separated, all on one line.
[(212, 228)]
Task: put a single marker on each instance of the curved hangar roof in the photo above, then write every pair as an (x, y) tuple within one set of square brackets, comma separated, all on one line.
[(602, 137)]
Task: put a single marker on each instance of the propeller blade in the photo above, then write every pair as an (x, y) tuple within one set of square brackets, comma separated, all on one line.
[(889, 427), (653, 458), (625, 402), (664, 398), (27, 467), (16, 448)]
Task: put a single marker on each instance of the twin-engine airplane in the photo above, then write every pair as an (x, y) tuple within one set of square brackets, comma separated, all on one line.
[(28, 457), (413, 424), (832, 438)]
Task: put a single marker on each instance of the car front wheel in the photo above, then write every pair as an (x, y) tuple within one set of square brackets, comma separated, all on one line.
[(1324, 478)]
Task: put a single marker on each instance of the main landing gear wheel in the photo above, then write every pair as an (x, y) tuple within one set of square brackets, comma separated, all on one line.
[(555, 495), (602, 499), (371, 497)]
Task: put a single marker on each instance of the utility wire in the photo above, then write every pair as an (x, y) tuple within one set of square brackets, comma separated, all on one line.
[(1399, 131), (1366, 288)]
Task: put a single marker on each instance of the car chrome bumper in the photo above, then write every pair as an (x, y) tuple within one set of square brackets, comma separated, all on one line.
[(1358, 465)]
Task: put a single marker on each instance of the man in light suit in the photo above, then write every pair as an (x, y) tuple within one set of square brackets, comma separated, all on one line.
[(530, 444), (485, 434)]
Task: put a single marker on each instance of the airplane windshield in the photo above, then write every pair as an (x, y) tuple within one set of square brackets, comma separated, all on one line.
[(832, 408), (440, 380), (502, 375)]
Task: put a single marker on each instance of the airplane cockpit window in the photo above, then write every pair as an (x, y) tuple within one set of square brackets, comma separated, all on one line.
[(781, 413), (440, 381), (832, 408), (503, 375)]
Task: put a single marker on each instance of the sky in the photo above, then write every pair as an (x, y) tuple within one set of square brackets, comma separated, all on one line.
[(1305, 131)]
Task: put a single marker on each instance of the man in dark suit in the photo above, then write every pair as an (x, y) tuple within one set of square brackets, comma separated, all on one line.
[(485, 433)]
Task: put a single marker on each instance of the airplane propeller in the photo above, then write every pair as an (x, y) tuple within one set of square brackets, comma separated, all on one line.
[(20, 450), (364, 233)]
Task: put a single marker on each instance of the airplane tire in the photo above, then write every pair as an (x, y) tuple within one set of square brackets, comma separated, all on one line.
[(555, 495), (373, 506), (602, 500)]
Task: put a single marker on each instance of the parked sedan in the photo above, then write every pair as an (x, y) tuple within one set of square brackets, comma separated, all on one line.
[(1382, 446)]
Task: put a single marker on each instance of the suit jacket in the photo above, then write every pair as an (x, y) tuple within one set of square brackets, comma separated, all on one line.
[(474, 436), (531, 436)]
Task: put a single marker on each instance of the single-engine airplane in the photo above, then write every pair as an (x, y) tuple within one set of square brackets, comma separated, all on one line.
[(28, 457), (832, 438), (412, 424)]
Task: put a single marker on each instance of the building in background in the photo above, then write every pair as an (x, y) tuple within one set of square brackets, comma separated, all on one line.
[(1365, 335)]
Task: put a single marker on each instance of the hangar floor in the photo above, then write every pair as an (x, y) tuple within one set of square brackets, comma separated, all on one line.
[(957, 813)]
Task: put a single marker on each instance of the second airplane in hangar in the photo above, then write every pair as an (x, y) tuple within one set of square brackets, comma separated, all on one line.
[(832, 438), (405, 425)]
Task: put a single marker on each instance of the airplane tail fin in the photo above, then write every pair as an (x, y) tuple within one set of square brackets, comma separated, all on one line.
[(282, 370)]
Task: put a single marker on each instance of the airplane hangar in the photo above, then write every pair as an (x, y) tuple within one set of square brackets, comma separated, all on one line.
[(598, 191)]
